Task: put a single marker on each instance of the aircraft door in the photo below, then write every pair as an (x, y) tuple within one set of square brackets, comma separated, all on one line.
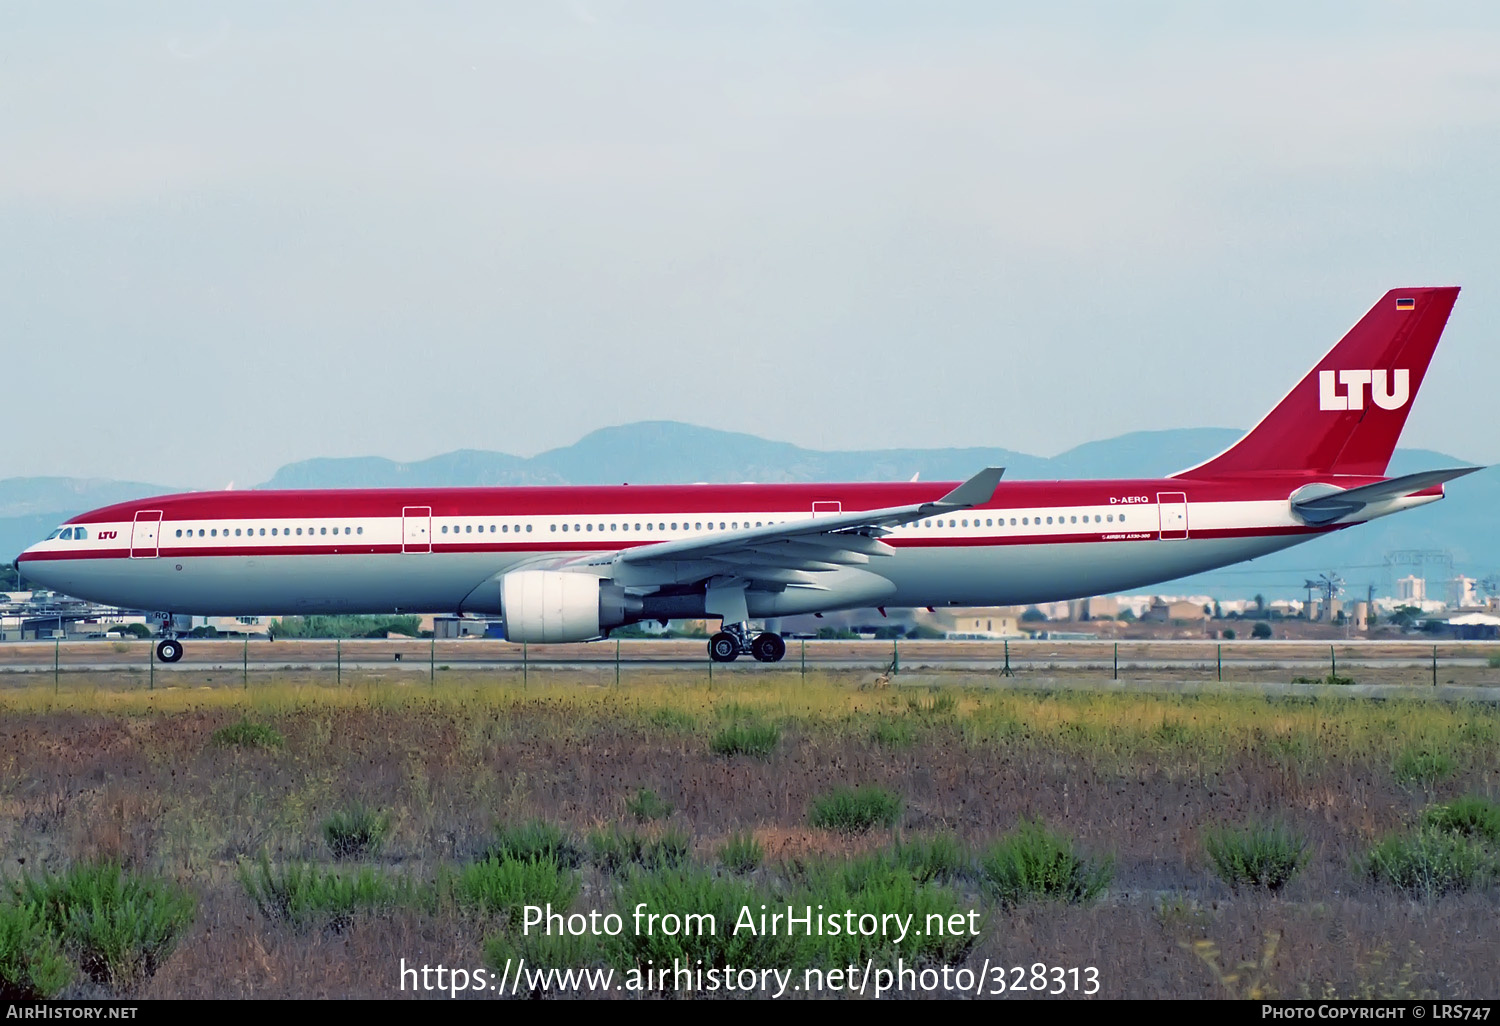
[(145, 535), (1174, 514), (416, 529)]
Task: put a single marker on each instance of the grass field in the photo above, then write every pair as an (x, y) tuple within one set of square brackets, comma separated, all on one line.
[(318, 835)]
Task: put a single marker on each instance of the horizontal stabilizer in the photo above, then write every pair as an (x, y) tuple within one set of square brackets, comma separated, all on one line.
[(1328, 506)]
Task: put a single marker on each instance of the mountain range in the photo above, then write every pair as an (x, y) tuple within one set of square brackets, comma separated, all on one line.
[(666, 452)]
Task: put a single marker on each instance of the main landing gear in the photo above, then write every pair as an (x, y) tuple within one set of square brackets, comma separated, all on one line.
[(168, 649), (735, 640)]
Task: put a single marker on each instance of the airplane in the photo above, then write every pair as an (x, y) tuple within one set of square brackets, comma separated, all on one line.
[(569, 564)]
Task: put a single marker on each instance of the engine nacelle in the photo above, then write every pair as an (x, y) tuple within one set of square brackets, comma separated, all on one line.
[(543, 606)]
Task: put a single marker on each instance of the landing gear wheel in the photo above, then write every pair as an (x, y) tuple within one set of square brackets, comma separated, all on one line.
[(768, 648), (723, 647), (169, 651)]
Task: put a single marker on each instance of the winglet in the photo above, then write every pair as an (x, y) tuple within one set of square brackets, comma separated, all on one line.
[(976, 490)]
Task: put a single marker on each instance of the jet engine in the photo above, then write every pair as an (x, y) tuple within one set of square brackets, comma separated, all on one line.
[(543, 606)]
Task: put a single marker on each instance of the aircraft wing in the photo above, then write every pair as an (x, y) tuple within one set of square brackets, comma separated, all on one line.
[(791, 551), (1329, 506)]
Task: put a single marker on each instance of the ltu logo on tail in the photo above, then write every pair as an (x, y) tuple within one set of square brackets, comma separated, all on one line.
[(1354, 382)]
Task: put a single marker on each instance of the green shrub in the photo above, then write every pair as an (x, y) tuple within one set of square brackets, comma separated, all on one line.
[(301, 895), (1430, 863), (874, 885), (534, 841), (503, 886), (503, 951), (1034, 862), (612, 849), (940, 858), (689, 895), (647, 805), (754, 739), (1469, 815), (1422, 766), (893, 733), (356, 832), (1494, 661), (741, 853), (245, 734), (936, 702), (856, 810), (118, 924), (671, 719), (32, 963), (1255, 856)]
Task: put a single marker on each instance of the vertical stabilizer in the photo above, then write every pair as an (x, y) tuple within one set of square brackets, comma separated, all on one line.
[(1345, 416)]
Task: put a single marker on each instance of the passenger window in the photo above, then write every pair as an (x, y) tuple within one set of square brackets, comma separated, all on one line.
[(989, 522), (721, 525), (1049, 520), (966, 523), (1075, 520), (236, 532), (214, 533), (1111, 518), (674, 526), (648, 527), (445, 528), (262, 532), (590, 527), (1025, 521), (468, 529), (1122, 518), (359, 530), (273, 532), (565, 527), (179, 532), (528, 528)]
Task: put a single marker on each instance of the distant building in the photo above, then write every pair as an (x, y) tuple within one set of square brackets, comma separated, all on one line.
[(974, 621), (1462, 593), (1412, 589), (1475, 626), (1100, 607), (1162, 611)]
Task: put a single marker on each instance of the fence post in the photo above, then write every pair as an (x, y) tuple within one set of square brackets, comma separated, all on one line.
[(1333, 661), (525, 667), (1006, 671), (151, 659), (804, 660), (617, 662), (338, 660), (245, 662), (1434, 666), (56, 651), (1219, 660), (895, 657), (1117, 660), (432, 660)]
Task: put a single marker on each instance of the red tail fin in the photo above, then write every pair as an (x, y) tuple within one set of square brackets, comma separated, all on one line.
[(1345, 416)]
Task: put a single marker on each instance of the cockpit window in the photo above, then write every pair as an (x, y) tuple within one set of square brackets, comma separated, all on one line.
[(54, 534), (67, 534), (80, 534)]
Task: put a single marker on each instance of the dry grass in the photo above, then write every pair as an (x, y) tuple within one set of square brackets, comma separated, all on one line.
[(134, 776)]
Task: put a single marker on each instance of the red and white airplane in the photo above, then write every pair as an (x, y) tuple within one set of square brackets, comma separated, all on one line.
[(570, 564)]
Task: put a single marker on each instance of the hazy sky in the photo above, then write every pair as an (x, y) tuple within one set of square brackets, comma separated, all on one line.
[(238, 234)]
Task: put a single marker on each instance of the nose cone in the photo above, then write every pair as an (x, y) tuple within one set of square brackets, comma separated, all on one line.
[(35, 567)]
